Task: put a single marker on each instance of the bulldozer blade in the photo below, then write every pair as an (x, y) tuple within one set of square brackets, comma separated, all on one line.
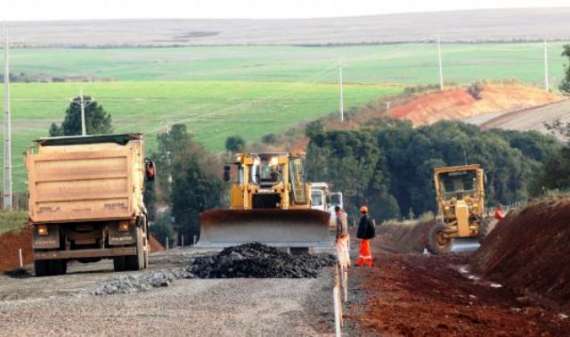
[(293, 228)]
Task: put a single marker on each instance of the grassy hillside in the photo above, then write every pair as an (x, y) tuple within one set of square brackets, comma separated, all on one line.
[(401, 63), (12, 220), (212, 110)]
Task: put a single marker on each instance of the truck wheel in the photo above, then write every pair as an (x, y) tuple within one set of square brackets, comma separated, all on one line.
[(41, 268), (137, 262), (438, 242), (58, 267), (119, 263)]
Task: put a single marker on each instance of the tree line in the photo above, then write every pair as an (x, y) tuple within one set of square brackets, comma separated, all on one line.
[(389, 165)]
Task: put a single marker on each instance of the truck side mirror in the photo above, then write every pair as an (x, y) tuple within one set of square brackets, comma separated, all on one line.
[(149, 170), (227, 176)]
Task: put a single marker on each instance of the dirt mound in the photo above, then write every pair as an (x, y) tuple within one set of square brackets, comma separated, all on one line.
[(407, 237), (155, 245), (459, 103), (528, 251), (10, 243), (255, 260)]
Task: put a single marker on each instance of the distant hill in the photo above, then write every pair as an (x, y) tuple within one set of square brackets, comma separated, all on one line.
[(454, 26)]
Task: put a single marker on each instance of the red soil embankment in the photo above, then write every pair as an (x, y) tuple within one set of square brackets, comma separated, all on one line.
[(529, 251), (458, 103), (408, 237), (10, 243), (415, 295)]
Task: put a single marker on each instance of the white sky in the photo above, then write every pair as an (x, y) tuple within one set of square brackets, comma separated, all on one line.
[(108, 9)]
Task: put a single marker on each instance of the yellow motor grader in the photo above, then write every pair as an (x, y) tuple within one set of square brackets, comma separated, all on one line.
[(270, 202), (460, 195)]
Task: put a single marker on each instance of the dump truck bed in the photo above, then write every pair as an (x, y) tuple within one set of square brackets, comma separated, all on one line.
[(96, 178)]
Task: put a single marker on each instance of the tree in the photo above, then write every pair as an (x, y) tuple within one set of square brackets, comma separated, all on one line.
[(235, 144), (162, 228), (269, 138), (149, 196), (565, 84), (195, 190), (97, 120), (389, 165), (189, 178)]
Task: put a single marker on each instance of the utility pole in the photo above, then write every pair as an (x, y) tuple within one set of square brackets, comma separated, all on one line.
[(341, 94), (7, 126), (546, 77), (440, 63), (82, 104)]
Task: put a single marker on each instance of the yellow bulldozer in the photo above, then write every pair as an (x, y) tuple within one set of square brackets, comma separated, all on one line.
[(270, 202), (460, 195)]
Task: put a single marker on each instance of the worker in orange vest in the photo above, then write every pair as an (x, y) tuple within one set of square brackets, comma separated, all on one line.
[(365, 233)]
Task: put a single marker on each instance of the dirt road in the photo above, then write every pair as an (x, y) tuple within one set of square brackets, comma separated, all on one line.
[(417, 295), (65, 306)]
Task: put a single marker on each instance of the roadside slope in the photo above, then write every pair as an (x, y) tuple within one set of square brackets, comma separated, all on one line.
[(528, 249), (459, 103)]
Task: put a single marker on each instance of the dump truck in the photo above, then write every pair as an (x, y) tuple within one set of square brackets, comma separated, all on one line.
[(270, 202), (86, 201), (460, 197)]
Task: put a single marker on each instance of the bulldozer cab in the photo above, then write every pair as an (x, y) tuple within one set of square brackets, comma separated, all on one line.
[(269, 203)]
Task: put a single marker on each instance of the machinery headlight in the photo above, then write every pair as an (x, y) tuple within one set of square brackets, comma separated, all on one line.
[(42, 230), (124, 226)]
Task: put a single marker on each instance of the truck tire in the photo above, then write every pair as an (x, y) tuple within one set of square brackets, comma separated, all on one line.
[(50, 267), (438, 244), (137, 262), (119, 263), (59, 267), (41, 268)]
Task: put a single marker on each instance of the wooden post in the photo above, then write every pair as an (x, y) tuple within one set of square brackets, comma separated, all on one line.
[(21, 257), (337, 314)]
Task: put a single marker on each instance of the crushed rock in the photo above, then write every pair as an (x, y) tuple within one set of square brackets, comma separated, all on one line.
[(135, 283), (255, 260)]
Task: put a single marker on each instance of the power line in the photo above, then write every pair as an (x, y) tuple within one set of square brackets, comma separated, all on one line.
[(440, 61), (546, 78)]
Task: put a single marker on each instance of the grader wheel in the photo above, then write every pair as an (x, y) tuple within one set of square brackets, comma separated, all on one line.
[(438, 242)]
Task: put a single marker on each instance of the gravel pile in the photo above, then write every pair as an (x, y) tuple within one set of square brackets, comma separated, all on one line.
[(255, 260), (141, 282)]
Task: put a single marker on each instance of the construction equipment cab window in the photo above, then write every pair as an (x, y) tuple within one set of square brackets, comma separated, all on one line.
[(457, 184)]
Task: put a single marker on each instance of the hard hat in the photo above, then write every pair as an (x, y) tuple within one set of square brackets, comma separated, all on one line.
[(363, 209)]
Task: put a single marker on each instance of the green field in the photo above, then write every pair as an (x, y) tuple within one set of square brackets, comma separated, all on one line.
[(212, 110), (249, 91), (399, 63)]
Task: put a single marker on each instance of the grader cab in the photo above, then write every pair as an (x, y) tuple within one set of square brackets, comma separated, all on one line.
[(460, 195)]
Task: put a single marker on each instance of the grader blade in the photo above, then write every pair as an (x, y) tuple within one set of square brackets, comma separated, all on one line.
[(294, 228)]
